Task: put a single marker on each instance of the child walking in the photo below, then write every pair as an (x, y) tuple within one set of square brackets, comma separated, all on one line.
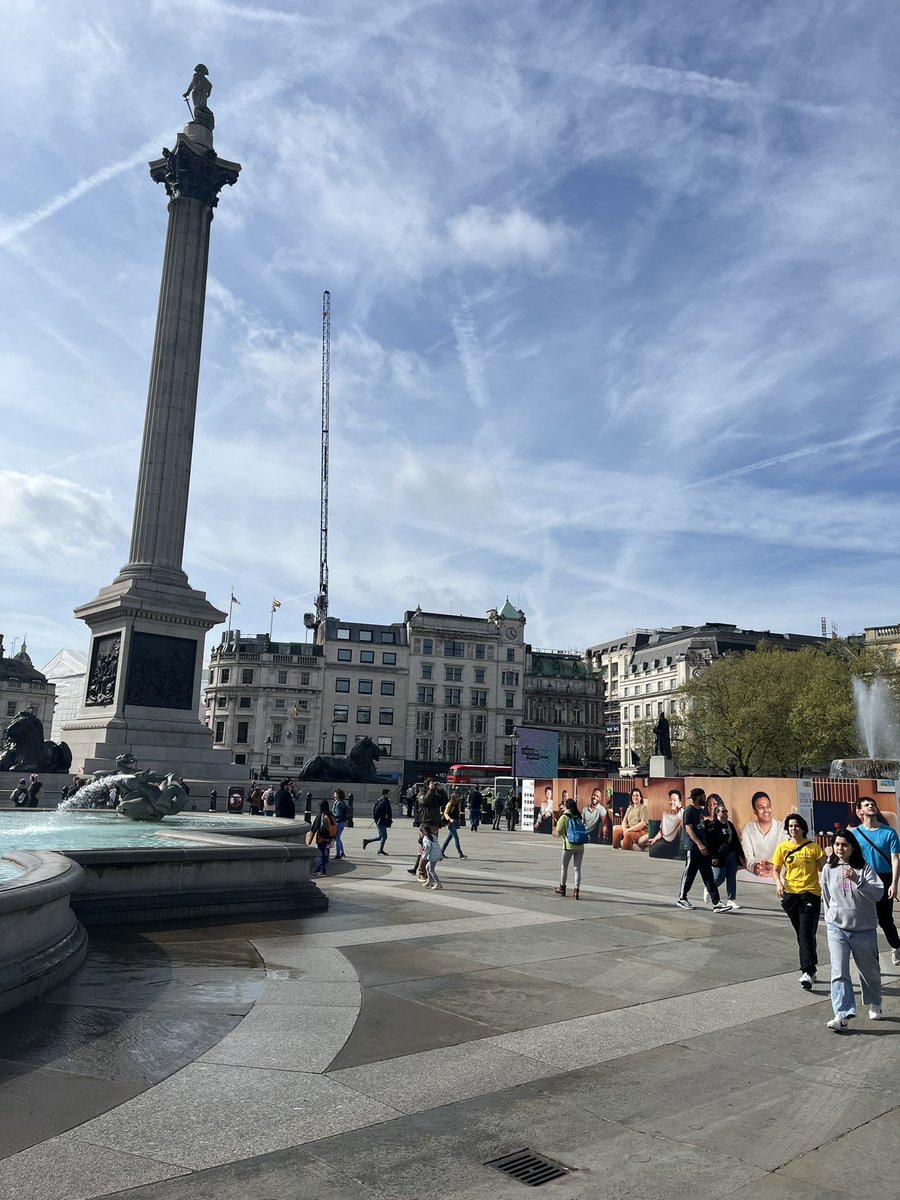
[(431, 855), (850, 891)]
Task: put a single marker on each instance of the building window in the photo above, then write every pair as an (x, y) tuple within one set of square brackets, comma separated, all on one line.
[(479, 674), (221, 701), (342, 685), (367, 656), (510, 656), (511, 678), (225, 674), (364, 687), (301, 735), (388, 637), (510, 699), (424, 721), (454, 649), (244, 702), (220, 731), (339, 743), (365, 635), (425, 695), (451, 723), (423, 749), (671, 685), (477, 723), (452, 674), (341, 712), (246, 675), (240, 760), (298, 760), (385, 716), (452, 695), (509, 726), (476, 752), (282, 677), (625, 693), (450, 749), (427, 670), (344, 654), (648, 709), (212, 677), (10, 708), (479, 650), (277, 734), (343, 635), (479, 698), (243, 732), (507, 755), (275, 760), (279, 703), (387, 687), (364, 716), (385, 745), (304, 678), (427, 645), (637, 711), (389, 658)]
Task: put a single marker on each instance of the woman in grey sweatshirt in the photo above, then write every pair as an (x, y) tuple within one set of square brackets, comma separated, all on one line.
[(850, 889)]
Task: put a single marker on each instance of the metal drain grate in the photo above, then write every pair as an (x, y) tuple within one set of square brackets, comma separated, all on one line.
[(529, 1168)]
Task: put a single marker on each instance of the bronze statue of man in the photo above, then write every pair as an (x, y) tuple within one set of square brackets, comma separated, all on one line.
[(661, 737)]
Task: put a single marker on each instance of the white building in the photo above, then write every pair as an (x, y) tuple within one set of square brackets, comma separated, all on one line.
[(66, 671)]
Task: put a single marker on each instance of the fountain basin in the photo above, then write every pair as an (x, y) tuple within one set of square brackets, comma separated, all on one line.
[(42, 942)]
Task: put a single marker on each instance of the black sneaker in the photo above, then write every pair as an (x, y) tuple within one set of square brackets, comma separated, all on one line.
[(411, 870)]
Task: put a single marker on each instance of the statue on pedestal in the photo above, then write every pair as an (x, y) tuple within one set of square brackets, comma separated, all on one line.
[(662, 743)]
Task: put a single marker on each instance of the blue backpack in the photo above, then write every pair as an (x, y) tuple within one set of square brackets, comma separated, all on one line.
[(576, 833)]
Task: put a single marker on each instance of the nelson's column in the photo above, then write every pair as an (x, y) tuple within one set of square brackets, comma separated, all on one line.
[(148, 627)]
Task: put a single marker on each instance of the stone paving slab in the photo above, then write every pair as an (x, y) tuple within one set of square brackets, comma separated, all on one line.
[(67, 1168), (281, 1037)]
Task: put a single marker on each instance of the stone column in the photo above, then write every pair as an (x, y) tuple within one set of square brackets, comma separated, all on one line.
[(193, 177)]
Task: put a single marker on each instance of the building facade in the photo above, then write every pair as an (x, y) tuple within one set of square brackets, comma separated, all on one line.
[(67, 671), (644, 671), (562, 695), (23, 687)]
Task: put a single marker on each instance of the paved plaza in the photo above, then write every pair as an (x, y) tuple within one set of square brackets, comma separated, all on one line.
[(395, 1045)]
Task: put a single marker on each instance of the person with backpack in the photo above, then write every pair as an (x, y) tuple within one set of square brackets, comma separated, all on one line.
[(475, 802), (322, 833), (383, 816), (572, 829), (268, 806), (19, 795), (340, 812)]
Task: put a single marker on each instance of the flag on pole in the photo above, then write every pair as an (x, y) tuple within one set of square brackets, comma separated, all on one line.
[(295, 712), (276, 604), (234, 599)]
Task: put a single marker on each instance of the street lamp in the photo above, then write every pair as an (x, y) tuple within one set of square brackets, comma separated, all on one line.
[(333, 723), (268, 748), (324, 737), (515, 742)]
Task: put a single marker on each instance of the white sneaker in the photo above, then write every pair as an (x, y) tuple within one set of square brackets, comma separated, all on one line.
[(720, 908), (837, 1025), (895, 958), (807, 980), (684, 903), (705, 896), (733, 904), (875, 1012)]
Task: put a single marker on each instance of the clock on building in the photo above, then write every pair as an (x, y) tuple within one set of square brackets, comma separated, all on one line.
[(511, 633)]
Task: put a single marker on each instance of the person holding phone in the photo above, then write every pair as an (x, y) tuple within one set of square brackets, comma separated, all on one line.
[(851, 890)]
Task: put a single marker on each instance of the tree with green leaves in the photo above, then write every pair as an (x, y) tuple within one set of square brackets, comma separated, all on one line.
[(773, 711)]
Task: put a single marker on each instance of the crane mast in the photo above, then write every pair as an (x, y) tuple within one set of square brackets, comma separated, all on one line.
[(322, 596)]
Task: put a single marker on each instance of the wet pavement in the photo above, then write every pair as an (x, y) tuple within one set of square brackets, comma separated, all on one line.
[(395, 1045)]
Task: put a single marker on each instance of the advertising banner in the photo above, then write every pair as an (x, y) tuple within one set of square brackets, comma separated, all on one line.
[(536, 753), (527, 817)]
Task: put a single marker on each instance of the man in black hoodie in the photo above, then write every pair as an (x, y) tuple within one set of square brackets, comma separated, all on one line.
[(284, 800)]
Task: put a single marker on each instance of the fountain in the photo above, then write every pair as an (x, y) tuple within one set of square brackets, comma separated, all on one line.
[(144, 795), (878, 730)]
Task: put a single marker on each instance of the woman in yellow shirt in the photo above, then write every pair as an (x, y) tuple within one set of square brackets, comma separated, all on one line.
[(795, 869)]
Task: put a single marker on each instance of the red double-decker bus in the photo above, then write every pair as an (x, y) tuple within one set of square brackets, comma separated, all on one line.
[(467, 776)]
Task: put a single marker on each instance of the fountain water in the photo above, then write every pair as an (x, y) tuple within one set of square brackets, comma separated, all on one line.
[(879, 733)]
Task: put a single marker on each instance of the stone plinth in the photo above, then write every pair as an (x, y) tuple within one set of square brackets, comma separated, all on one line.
[(661, 767)]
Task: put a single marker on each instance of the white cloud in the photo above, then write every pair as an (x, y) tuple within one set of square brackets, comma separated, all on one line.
[(511, 238)]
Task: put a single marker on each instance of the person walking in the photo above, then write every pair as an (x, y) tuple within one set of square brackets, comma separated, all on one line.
[(284, 800), (697, 853), (512, 812), (452, 817), (880, 848), (851, 890), (800, 860), (340, 812), (213, 800), (269, 802), (34, 791), (322, 833), (572, 829), (499, 805), (475, 802), (429, 806), (255, 799), (383, 816), (431, 856), (725, 851)]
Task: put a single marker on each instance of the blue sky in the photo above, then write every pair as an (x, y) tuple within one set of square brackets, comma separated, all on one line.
[(614, 307)]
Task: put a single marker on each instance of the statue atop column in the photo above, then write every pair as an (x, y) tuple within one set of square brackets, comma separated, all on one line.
[(199, 89)]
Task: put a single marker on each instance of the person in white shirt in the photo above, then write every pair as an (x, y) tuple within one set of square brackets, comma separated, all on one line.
[(760, 838)]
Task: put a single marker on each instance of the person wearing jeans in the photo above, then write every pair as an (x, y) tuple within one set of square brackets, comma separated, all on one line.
[(880, 848), (383, 816), (452, 817), (800, 860), (851, 890), (340, 813), (697, 853), (725, 851)]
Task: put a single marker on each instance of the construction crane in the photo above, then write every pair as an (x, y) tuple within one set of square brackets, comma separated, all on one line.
[(322, 596)]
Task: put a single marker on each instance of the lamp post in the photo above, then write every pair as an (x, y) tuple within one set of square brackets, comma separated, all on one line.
[(324, 738), (268, 748), (333, 723), (515, 742)]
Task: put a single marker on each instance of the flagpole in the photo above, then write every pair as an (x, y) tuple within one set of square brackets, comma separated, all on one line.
[(271, 618), (230, 606)]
